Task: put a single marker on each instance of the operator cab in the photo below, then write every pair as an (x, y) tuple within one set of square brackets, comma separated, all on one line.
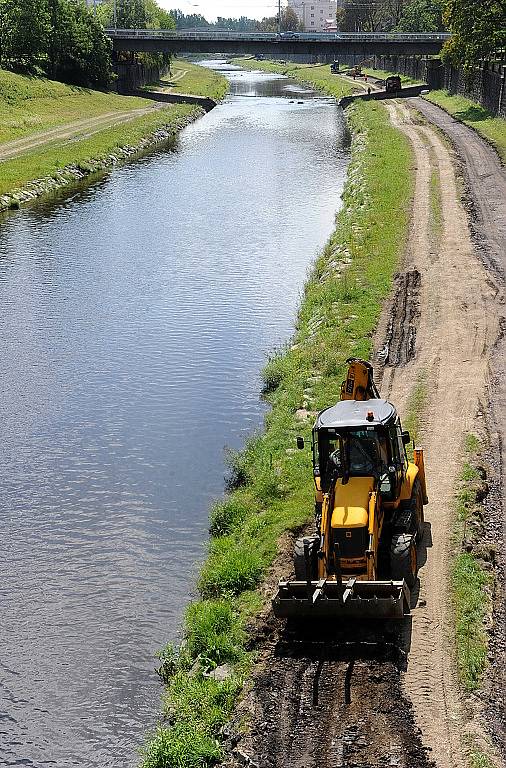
[(360, 439)]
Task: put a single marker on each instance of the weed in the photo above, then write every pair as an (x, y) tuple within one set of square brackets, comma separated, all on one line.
[(232, 567), (228, 514), (213, 633)]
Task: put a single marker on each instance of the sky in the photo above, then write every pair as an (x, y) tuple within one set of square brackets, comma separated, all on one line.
[(253, 9)]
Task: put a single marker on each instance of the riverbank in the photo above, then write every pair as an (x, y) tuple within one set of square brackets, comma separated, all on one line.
[(77, 131), (188, 78), (270, 482)]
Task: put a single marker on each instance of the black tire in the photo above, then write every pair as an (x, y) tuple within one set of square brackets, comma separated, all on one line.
[(299, 559), (403, 558)]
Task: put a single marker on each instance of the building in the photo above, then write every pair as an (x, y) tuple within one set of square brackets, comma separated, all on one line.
[(315, 15)]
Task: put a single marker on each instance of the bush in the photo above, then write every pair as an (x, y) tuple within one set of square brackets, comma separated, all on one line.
[(272, 375)]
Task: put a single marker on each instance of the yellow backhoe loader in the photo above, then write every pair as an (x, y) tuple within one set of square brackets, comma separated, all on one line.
[(362, 559)]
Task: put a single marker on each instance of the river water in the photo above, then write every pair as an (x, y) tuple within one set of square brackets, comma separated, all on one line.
[(135, 316)]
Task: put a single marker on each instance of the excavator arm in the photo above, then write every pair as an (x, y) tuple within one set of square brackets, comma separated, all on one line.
[(359, 383)]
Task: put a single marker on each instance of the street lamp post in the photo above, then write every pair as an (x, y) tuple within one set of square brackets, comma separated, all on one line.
[(279, 17)]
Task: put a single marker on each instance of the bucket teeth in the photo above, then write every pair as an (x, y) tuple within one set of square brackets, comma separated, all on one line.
[(357, 599)]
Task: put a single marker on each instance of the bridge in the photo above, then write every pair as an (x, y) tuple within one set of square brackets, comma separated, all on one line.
[(273, 44)]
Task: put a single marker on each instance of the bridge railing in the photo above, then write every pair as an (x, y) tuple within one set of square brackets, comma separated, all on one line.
[(272, 36)]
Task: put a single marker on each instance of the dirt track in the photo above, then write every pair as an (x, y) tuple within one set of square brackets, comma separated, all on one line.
[(456, 331), (80, 129), (332, 704)]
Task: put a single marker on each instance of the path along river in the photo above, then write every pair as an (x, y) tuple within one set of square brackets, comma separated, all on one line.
[(135, 316)]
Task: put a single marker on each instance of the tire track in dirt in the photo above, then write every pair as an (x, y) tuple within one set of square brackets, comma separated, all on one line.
[(327, 704), (456, 330)]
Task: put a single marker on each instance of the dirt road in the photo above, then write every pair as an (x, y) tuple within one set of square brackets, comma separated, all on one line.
[(80, 129), (335, 704), (456, 329)]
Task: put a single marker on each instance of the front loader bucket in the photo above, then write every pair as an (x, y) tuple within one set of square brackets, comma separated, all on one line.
[(351, 599)]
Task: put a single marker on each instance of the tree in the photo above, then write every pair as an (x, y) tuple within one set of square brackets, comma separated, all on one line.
[(478, 30), (421, 16), (79, 52), (289, 22), (24, 33)]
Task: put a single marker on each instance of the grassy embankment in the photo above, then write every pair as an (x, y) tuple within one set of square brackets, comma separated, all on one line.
[(318, 76), (198, 81), (30, 106), (271, 482), (493, 129)]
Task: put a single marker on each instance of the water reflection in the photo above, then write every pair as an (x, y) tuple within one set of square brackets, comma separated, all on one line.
[(135, 316)]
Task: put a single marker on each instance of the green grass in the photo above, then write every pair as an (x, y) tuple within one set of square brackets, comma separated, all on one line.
[(31, 104), (469, 579), (493, 129), (198, 81), (415, 407), (436, 211), (270, 481), (316, 75), (478, 759), (50, 159)]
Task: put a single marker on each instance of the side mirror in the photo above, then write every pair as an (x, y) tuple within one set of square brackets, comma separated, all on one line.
[(300, 443), (406, 438)]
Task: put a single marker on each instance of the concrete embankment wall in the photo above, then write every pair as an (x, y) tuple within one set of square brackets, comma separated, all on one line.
[(176, 98), (131, 75)]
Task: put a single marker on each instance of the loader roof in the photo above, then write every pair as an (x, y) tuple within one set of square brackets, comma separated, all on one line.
[(353, 413)]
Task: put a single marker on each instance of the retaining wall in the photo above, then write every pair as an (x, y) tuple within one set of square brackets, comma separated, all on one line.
[(133, 74)]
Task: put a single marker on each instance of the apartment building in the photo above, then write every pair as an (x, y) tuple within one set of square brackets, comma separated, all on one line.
[(315, 15)]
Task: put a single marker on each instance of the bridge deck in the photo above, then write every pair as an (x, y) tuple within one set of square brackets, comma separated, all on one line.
[(179, 41)]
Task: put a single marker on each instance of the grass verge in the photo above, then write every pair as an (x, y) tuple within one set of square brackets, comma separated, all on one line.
[(471, 570), (436, 212), (270, 483), (197, 81), (317, 76), (48, 160), (416, 405), (35, 104), (493, 129)]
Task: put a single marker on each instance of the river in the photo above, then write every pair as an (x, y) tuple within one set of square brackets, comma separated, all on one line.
[(136, 313)]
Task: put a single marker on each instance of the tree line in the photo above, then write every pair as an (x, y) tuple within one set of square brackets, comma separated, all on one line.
[(58, 38), (65, 40)]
